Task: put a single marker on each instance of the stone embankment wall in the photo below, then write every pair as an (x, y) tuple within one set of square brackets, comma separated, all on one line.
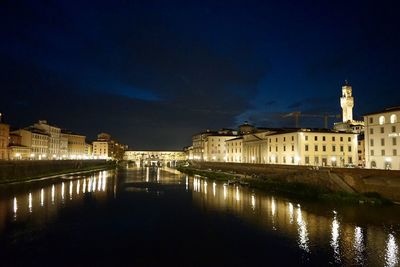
[(30, 169), (384, 182)]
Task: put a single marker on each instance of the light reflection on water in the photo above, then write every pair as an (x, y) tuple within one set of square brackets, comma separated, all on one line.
[(34, 203), (391, 257), (310, 233), (349, 244), (335, 238)]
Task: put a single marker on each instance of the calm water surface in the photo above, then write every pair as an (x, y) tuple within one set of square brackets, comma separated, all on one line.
[(160, 217)]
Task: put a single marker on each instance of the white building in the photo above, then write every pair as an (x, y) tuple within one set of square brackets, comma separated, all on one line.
[(382, 139)]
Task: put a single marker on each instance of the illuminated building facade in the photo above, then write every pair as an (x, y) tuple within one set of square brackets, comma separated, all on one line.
[(382, 139), (154, 158), (4, 136)]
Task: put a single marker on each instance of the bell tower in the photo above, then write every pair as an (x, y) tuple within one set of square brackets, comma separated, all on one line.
[(347, 102)]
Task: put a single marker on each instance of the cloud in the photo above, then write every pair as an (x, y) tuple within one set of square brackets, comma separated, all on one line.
[(131, 74)]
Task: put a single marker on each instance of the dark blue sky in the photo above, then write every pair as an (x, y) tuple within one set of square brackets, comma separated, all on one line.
[(152, 73)]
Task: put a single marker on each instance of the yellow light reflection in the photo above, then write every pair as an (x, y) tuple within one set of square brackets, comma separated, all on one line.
[(70, 189), (99, 184), (302, 230), (273, 207), (15, 206), (225, 192), (62, 190), (90, 185), (237, 194), (30, 202), (214, 188), (52, 194), (84, 186), (335, 238), (104, 183), (253, 202), (358, 245), (41, 197), (187, 182), (391, 257), (94, 184), (147, 174), (78, 185), (290, 207), (205, 187)]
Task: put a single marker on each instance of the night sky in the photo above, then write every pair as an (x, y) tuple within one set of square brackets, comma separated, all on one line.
[(152, 73)]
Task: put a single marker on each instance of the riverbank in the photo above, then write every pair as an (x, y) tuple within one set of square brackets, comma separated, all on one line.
[(20, 171), (292, 189)]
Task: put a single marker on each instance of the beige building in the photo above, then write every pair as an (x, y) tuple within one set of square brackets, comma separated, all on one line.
[(313, 147), (101, 149), (35, 139), (4, 136), (188, 152), (255, 146), (16, 150), (210, 145), (198, 144), (382, 139), (155, 158), (361, 150), (234, 149), (102, 146), (75, 145), (63, 146), (107, 148), (89, 150), (215, 146), (54, 138)]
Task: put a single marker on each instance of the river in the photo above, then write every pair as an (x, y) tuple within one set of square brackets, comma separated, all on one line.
[(160, 217)]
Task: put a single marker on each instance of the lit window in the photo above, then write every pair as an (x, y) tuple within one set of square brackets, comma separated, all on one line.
[(381, 120), (393, 118)]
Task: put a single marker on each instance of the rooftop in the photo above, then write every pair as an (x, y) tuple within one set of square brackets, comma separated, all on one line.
[(386, 110)]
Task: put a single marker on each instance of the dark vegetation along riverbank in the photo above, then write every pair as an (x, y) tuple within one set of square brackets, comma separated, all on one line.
[(292, 189), (15, 171)]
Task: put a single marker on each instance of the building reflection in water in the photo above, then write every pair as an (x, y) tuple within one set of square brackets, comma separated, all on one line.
[(391, 257), (62, 191), (41, 197), (347, 242), (359, 245), (214, 188), (335, 237), (34, 204), (30, 202), (15, 207), (290, 207), (52, 194), (302, 230)]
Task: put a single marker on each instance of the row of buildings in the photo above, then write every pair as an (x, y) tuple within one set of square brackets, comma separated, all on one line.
[(42, 141), (371, 143)]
